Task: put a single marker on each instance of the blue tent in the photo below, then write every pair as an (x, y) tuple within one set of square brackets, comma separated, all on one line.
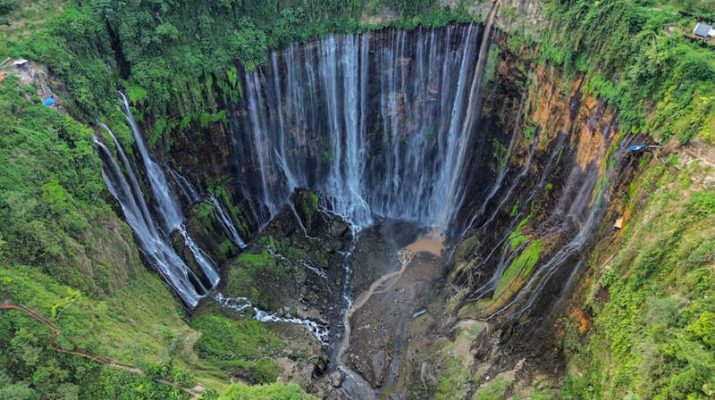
[(637, 147), (49, 102)]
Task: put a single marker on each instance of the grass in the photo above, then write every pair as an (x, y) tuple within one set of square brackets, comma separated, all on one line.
[(140, 324), (453, 381), (455, 374), (255, 274), (133, 325), (274, 391), (257, 260), (239, 345), (26, 17)]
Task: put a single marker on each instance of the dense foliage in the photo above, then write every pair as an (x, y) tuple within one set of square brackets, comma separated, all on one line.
[(64, 251), (31, 369), (653, 311), (173, 56), (239, 346), (49, 190), (637, 55)]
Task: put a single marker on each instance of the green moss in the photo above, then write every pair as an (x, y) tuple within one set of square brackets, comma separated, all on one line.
[(453, 381), (492, 63), (494, 390), (499, 153), (530, 132), (238, 345), (466, 248), (257, 260), (521, 267), (309, 204), (259, 276), (223, 338), (516, 237)]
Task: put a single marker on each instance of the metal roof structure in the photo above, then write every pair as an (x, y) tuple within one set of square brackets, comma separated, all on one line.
[(702, 30)]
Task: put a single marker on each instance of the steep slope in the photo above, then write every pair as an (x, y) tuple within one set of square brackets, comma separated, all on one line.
[(516, 142)]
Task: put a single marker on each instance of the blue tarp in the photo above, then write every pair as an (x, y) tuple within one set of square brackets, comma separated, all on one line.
[(638, 147), (49, 102)]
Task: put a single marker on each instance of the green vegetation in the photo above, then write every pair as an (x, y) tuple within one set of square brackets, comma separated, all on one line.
[(636, 55), (466, 248), (529, 132), (453, 380), (257, 260), (50, 191), (176, 61), (309, 205), (28, 365), (65, 253), (274, 391), (653, 337), (495, 390), (517, 237), (499, 152), (237, 345), (521, 267)]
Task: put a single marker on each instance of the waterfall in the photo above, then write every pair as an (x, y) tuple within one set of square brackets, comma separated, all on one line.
[(187, 189), (192, 195), (227, 223), (471, 120), (166, 203), (378, 123), (154, 244), (154, 237), (165, 200)]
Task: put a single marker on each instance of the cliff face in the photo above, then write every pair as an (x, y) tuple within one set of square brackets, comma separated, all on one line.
[(539, 198), (543, 166), (372, 123), (570, 263)]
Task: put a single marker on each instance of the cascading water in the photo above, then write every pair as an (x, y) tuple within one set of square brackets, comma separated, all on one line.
[(154, 243), (166, 203), (154, 237), (226, 223), (240, 304), (376, 122), (187, 189), (192, 195)]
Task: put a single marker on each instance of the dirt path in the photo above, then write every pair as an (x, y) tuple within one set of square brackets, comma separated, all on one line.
[(194, 392)]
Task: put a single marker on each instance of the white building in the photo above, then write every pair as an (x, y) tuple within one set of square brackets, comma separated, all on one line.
[(704, 31)]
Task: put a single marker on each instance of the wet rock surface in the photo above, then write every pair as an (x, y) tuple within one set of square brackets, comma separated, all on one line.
[(296, 266), (379, 337)]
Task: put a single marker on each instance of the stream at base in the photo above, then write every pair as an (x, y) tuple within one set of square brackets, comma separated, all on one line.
[(354, 386)]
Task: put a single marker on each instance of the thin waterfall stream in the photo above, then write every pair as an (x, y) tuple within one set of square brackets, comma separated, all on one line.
[(310, 120)]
